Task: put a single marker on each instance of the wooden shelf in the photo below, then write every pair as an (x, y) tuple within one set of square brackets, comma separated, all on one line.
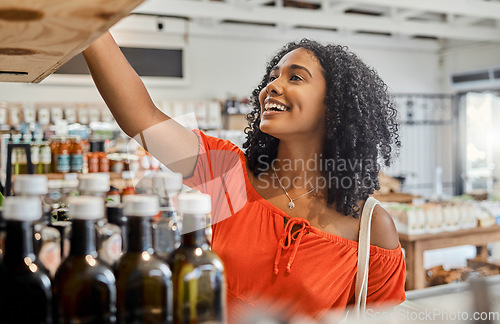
[(39, 36), (395, 197), (63, 176), (415, 245)]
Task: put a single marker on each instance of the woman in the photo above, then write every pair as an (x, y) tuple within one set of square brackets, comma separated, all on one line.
[(287, 210)]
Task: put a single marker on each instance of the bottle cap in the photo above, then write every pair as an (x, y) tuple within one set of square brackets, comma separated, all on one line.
[(141, 205), (167, 182), (86, 207), (94, 182), (22, 208), (31, 184), (194, 203)]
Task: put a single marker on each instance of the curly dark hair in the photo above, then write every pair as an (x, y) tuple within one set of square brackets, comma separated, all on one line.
[(361, 124)]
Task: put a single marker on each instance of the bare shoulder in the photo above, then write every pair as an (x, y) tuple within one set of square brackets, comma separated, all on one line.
[(383, 231)]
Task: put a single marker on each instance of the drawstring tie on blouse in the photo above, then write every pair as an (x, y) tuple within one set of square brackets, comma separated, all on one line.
[(288, 236)]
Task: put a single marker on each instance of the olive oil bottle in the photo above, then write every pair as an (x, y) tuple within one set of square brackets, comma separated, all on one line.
[(197, 272), (26, 295), (84, 287), (143, 281), (47, 239), (166, 185), (109, 236)]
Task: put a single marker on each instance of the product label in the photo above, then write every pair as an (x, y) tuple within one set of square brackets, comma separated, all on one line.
[(21, 156), (111, 249), (35, 154), (50, 256), (76, 163), (113, 199), (63, 163), (45, 154)]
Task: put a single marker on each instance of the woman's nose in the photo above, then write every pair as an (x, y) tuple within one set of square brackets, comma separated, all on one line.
[(275, 87)]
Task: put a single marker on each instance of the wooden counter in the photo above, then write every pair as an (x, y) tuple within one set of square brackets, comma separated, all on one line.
[(415, 245)]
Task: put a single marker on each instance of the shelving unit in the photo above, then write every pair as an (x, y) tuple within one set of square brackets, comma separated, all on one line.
[(39, 36)]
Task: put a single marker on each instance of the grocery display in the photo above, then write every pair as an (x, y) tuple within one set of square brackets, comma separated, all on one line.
[(436, 217), (87, 286)]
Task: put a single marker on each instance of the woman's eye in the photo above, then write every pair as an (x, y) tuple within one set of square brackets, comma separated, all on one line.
[(295, 78), (272, 78)]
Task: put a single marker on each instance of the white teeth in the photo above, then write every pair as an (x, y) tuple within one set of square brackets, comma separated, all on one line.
[(270, 105)]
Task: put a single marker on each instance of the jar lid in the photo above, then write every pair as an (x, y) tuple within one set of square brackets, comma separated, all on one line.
[(94, 182), (141, 205), (194, 203), (86, 207), (31, 184), (167, 182), (22, 208)]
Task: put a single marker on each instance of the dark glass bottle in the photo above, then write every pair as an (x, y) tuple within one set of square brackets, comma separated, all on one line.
[(84, 288), (3, 232), (197, 272), (47, 240), (166, 185), (143, 281), (116, 217), (109, 237), (26, 295)]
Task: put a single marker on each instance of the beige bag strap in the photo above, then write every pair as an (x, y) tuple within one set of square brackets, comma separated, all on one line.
[(364, 256)]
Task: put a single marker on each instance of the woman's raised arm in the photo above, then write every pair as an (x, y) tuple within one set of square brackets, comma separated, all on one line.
[(127, 98)]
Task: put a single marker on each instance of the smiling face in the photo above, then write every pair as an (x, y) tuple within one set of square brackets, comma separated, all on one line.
[(292, 103)]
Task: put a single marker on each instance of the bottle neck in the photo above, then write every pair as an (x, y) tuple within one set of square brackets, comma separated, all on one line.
[(83, 237), (93, 193), (169, 200), (193, 230), (139, 236), (19, 241), (169, 213)]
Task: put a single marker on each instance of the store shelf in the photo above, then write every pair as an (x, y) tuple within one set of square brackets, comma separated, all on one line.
[(415, 245), (448, 237), (39, 36), (395, 197)]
